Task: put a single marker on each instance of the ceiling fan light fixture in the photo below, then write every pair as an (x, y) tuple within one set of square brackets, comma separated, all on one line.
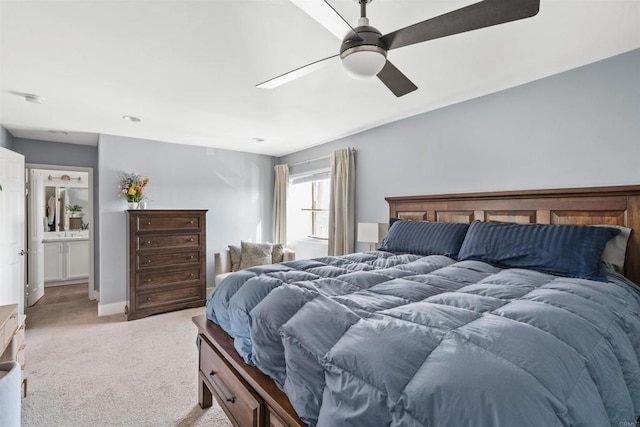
[(363, 62)]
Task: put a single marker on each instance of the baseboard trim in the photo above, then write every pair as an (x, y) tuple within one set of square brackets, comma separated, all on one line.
[(65, 282), (113, 308)]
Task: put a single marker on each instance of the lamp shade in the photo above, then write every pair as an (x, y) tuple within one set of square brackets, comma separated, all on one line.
[(371, 232)]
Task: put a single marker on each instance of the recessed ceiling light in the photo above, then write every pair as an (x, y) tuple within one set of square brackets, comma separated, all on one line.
[(61, 132), (257, 139), (131, 119), (33, 98)]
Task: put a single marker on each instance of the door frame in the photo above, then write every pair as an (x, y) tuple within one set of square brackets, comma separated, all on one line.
[(93, 293)]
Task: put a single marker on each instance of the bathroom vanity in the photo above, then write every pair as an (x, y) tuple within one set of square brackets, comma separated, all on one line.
[(66, 257)]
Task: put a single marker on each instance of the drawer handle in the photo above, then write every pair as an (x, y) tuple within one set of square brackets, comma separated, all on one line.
[(149, 223), (191, 274), (223, 388), (148, 298), (191, 257), (191, 222), (148, 280), (148, 261), (191, 239), (148, 242)]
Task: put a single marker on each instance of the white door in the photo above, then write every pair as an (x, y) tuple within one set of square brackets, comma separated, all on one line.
[(12, 227), (35, 286)]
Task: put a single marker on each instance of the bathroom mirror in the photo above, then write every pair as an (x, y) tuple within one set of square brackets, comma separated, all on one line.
[(76, 205), (65, 208)]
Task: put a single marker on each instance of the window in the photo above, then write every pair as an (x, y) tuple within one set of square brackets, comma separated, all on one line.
[(319, 209), (309, 207)]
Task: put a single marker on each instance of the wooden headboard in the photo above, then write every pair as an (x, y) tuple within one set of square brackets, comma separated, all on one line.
[(581, 206)]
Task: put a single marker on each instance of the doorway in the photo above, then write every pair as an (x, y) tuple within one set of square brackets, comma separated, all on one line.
[(60, 233)]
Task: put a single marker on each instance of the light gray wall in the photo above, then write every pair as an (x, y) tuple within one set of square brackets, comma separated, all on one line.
[(6, 139), (59, 154), (235, 187), (576, 129)]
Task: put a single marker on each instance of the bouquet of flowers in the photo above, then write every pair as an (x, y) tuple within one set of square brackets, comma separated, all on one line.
[(132, 187)]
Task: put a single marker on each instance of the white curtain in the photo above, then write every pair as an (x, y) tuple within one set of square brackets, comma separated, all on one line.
[(280, 204), (342, 204)]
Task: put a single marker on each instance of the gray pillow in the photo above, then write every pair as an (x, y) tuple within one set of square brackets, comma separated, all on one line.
[(255, 254), (235, 255), (277, 253), (616, 249)]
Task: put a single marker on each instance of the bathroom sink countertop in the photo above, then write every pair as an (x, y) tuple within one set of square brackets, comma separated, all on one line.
[(64, 238)]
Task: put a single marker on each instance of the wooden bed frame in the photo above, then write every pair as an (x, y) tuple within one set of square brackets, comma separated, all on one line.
[(250, 398)]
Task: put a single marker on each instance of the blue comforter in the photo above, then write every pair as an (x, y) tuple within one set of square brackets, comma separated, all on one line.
[(384, 339)]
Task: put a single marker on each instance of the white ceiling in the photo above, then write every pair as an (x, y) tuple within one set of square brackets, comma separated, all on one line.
[(188, 68)]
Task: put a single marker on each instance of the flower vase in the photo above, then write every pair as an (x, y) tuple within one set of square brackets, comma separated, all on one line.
[(132, 205)]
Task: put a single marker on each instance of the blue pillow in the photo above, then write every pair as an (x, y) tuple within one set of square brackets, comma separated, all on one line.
[(565, 250), (425, 238)]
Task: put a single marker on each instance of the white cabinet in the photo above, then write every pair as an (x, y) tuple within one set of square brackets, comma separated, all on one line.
[(66, 260), (77, 259), (53, 262)]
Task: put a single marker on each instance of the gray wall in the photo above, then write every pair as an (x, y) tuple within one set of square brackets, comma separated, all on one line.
[(6, 139), (576, 129), (235, 187), (59, 154)]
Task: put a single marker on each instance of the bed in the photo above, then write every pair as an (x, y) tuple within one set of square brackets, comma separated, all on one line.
[(398, 338)]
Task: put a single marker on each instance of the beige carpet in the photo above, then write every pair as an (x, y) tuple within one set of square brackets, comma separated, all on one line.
[(89, 371)]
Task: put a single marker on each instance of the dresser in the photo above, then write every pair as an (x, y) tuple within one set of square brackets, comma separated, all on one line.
[(167, 261), (12, 338)]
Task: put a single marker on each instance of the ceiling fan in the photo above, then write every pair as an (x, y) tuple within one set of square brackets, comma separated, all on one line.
[(363, 52)]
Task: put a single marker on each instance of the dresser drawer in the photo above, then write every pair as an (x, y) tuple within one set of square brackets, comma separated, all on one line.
[(173, 241), (165, 260), (15, 345), (8, 328), (159, 223), (273, 419), (237, 398), (181, 278), (171, 296)]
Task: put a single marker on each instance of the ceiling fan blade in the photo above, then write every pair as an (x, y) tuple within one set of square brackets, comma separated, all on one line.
[(397, 82), (326, 15), (478, 15), (297, 73)]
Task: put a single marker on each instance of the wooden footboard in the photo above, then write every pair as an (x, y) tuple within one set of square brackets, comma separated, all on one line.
[(248, 397)]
